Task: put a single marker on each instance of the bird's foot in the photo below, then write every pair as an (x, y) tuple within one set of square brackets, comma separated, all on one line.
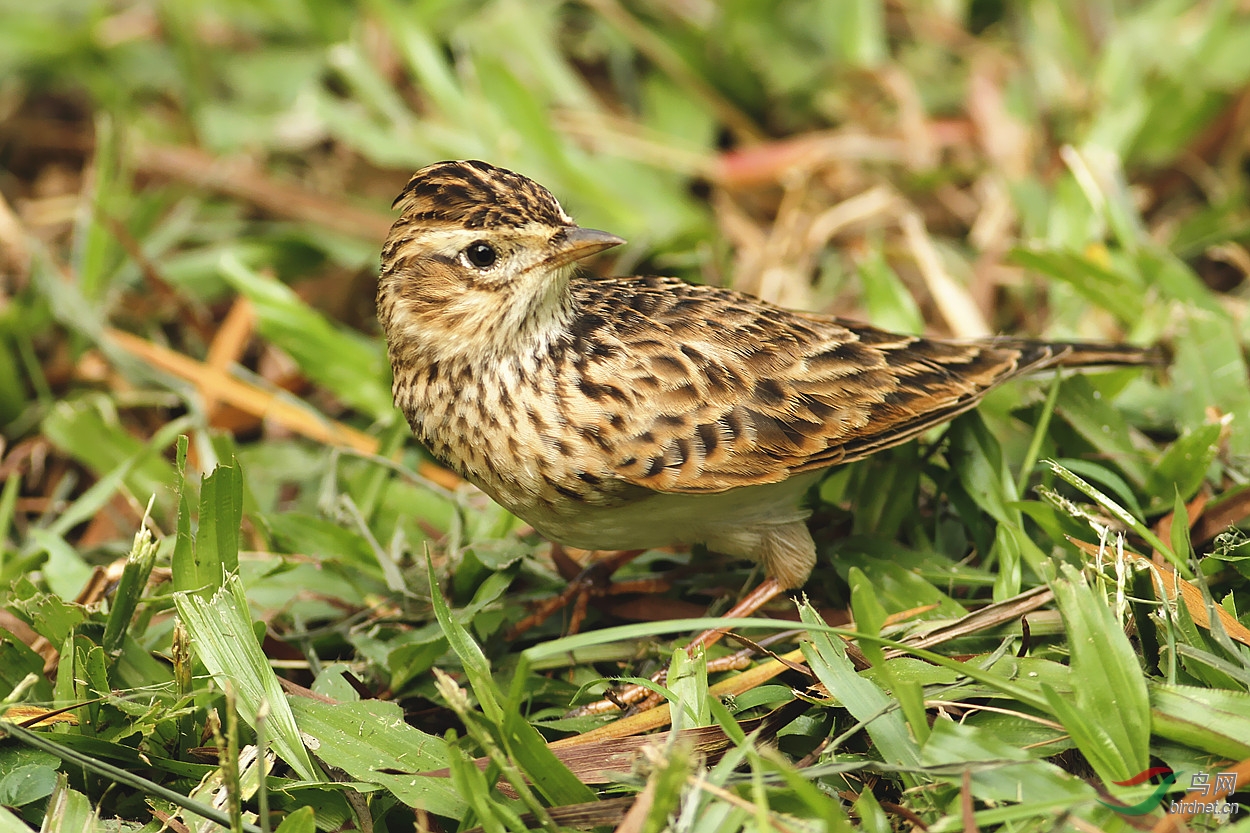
[(593, 581)]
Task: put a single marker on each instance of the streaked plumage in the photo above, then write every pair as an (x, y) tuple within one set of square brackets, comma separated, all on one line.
[(626, 413)]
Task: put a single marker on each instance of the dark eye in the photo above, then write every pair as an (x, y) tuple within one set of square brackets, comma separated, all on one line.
[(481, 255)]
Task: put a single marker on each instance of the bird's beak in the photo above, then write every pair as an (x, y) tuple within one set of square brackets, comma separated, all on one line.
[(577, 243)]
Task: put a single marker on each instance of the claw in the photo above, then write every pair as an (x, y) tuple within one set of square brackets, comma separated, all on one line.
[(584, 583)]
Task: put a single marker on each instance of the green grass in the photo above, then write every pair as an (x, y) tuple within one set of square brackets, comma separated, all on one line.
[(293, 619)]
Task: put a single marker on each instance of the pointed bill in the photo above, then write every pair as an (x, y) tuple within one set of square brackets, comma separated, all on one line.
[(577, 243)]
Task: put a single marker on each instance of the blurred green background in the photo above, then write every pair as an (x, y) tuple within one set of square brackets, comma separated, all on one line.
[(193, 195)]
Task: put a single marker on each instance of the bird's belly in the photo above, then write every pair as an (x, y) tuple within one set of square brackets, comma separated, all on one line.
[(665, 518)]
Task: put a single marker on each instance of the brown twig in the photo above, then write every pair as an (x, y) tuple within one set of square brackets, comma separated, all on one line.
[(216, 384), (242, 180)]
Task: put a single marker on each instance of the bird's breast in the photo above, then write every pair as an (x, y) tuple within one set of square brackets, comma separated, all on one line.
[(508, 427)]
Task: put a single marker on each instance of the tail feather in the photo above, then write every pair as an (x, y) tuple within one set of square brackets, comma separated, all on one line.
[(1041, 355)]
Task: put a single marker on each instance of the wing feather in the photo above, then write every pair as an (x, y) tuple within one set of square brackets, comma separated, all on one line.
[(697, 389)]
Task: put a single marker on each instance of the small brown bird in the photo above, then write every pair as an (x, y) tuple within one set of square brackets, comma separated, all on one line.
[(630, 413)]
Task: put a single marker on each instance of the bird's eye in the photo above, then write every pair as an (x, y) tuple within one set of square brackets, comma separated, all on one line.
[(481, 255)]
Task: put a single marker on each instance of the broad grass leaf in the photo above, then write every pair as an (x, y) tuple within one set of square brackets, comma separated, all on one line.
[(687, 680), (872, 819), (1213, 720), (869, 614), (1180, 542), (1002, 772), (890, 303), (1103, 287), (977, 459), (1085, 728), (1110, 716), (48, 615), (221, 513), (348, 364), (826, 655), (221, 633), (19, 665), (1007, 559), (64, 567), (69, 811), (513, 733), (1086, 409), (472, 659), (1106, 478), (1183, 466), (370, 741), (88, 430), (10, 823), (1166, 272), (1209, 371), (201, 562), (302, 820), (26, 783), (312, 535), (885, 490)]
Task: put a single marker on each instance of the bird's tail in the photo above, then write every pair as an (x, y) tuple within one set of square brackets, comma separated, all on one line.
[(1041, 355)]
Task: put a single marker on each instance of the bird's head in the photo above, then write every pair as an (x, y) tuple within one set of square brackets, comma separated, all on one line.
[(478, 261)]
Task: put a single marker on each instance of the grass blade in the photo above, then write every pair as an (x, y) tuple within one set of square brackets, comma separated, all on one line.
[(222, 636)]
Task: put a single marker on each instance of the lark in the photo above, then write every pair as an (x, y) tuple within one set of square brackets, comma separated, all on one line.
[(630, 413)]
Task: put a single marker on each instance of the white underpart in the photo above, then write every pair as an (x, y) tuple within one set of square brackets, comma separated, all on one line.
[(767, 525)]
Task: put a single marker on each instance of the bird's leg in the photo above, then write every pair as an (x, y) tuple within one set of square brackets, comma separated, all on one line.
[(768, 590), (592, 581)]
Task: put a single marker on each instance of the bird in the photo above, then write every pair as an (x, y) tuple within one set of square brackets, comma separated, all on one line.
[(629, 413)]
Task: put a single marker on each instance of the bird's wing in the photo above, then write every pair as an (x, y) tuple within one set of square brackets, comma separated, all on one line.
[(698, 389)]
